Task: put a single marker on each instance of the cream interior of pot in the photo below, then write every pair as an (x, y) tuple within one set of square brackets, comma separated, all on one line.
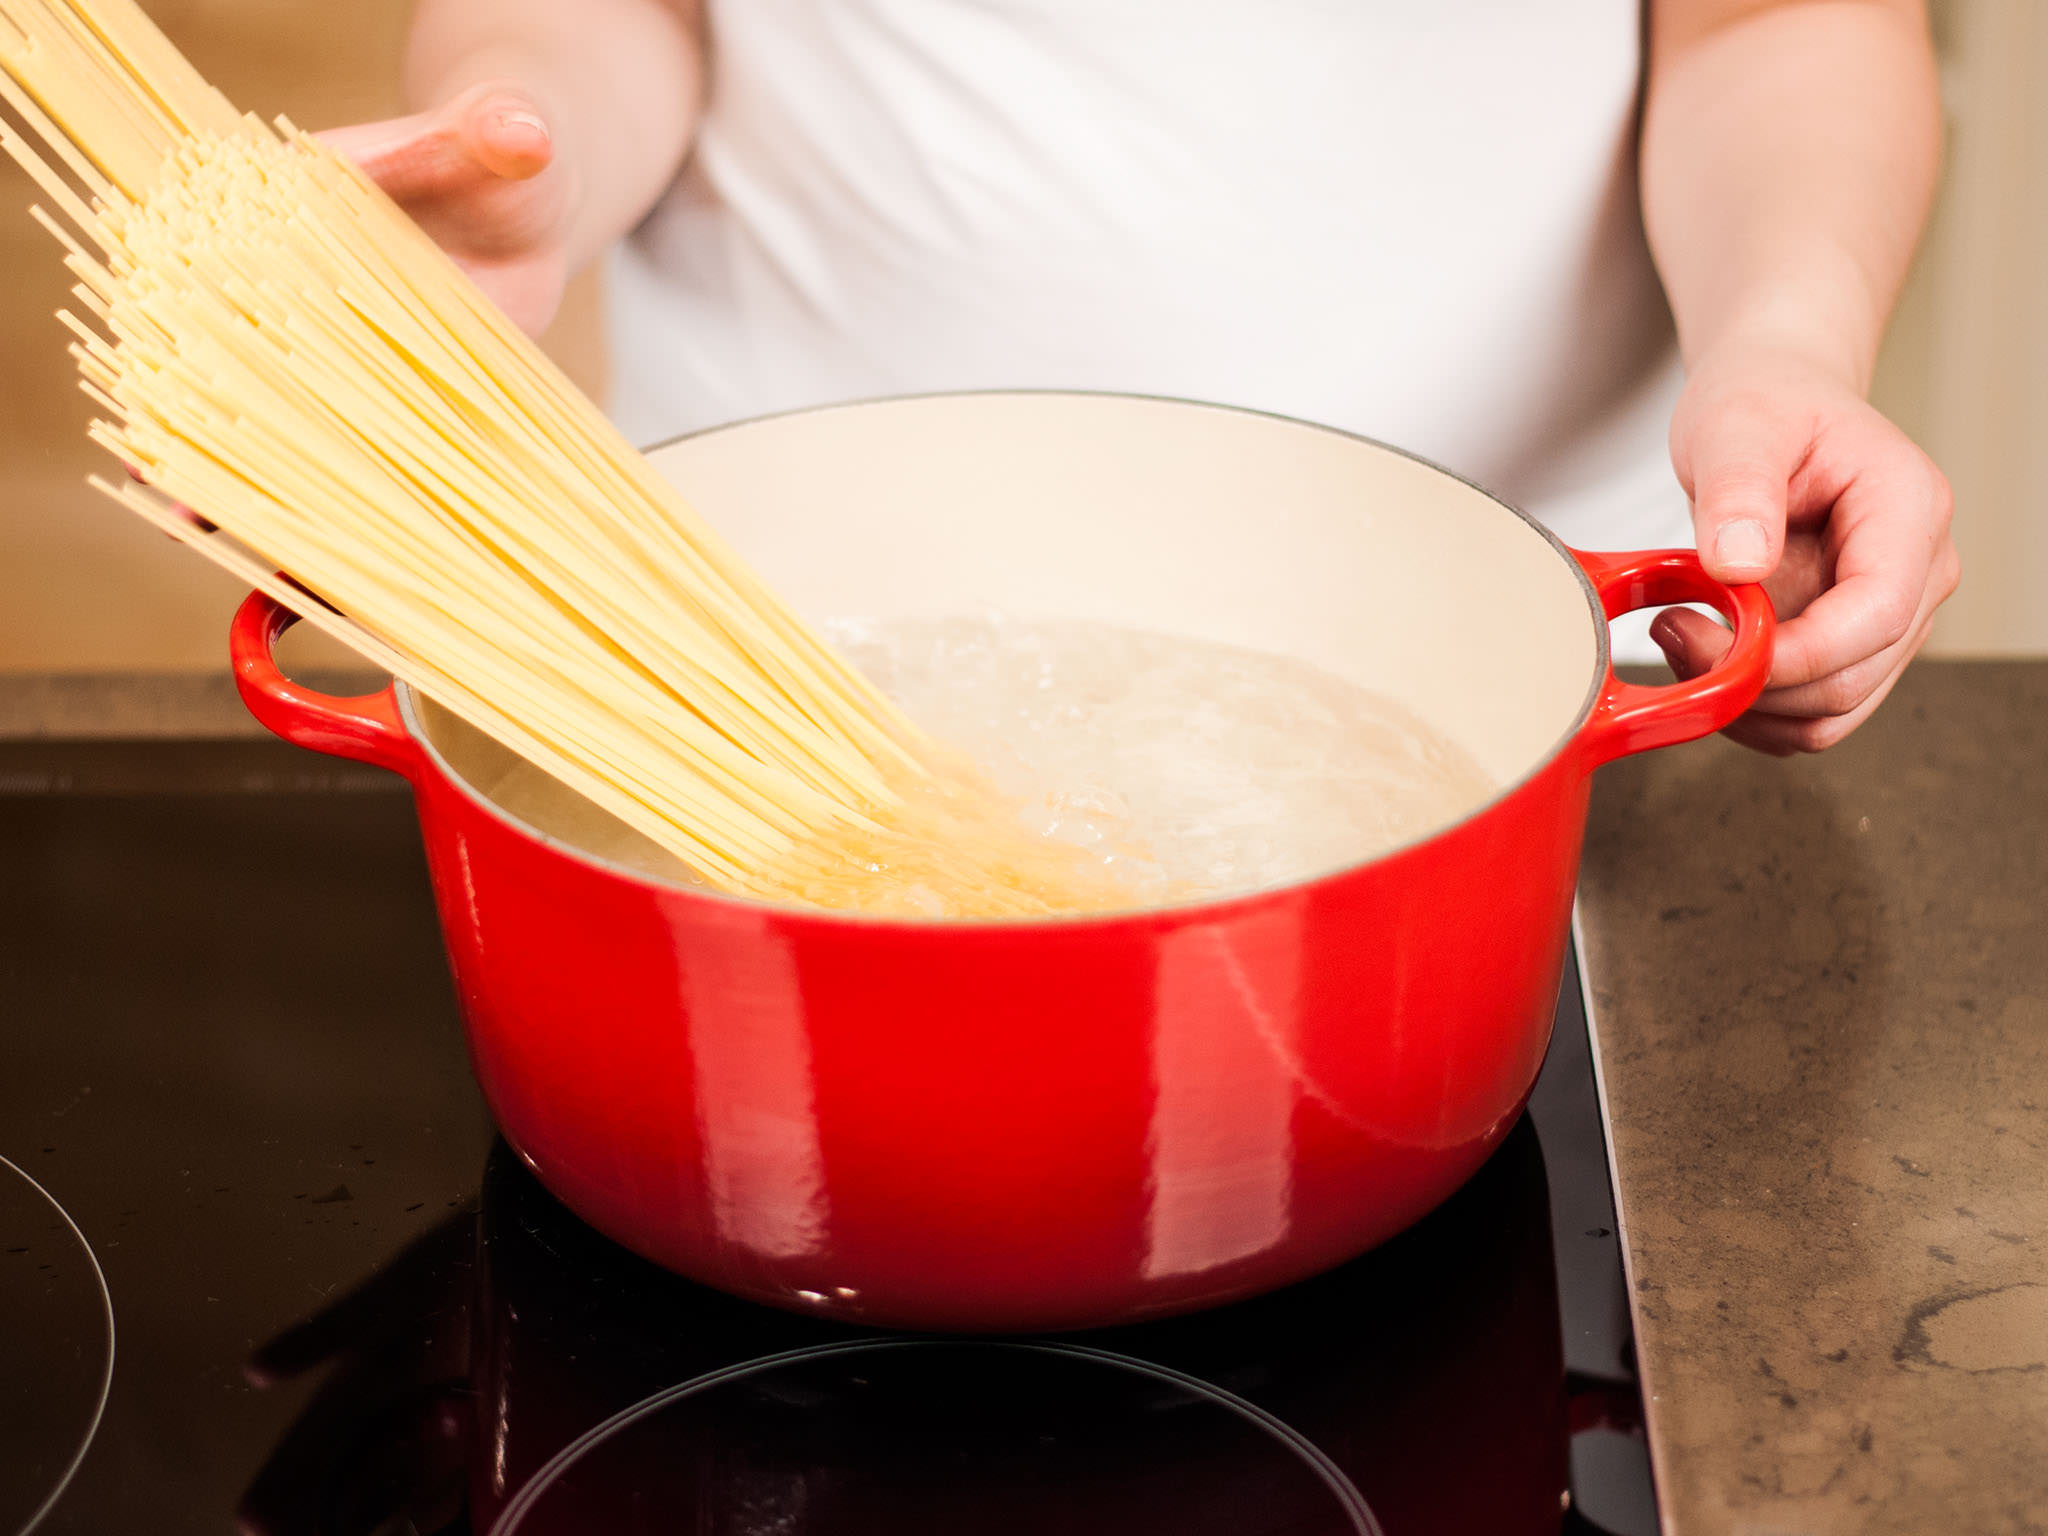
[(1186, 520)]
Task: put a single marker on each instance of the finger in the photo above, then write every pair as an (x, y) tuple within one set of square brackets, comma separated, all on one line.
[(406, 156), (1841, 692), (489, 133), (506, 134), (1737, 457), (1890, 528), (1692, 643), (1805, 570), (1785, 721), (1782, 735), (1761, 736)]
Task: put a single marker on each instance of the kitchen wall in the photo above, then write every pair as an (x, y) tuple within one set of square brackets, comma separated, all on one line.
[(1966, 366), (85, 586)]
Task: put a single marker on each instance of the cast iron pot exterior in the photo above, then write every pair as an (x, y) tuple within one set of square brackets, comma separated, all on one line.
[(1025, 1126)]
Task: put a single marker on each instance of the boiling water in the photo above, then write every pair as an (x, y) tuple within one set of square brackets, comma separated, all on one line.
[(1228, 768), (1231, 768)]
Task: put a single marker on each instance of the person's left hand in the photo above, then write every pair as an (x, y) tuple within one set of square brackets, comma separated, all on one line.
[(1798, 482)]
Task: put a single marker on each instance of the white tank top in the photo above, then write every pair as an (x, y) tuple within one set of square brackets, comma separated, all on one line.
[(1413, 221)]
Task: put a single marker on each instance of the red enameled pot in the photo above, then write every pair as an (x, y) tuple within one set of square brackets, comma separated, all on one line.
[(1056, 1124)]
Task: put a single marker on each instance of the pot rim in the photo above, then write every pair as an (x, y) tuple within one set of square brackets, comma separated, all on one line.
[(1182, 910)]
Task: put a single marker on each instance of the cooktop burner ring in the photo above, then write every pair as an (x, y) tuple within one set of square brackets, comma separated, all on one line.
[(99, 1395), (1333, 1478)]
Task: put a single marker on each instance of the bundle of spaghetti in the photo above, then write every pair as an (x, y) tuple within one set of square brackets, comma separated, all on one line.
[(277, 346)]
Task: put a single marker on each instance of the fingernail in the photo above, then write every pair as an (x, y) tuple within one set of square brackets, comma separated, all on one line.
[(1742, 546), (1663, 631), (518, 119)]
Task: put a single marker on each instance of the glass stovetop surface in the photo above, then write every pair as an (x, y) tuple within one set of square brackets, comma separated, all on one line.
[(343, 1307)]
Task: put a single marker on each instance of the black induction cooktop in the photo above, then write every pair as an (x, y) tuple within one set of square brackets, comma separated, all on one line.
[(267, 1268)]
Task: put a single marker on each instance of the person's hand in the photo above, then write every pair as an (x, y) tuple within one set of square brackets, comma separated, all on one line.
[(1799, 483), (480, 176)]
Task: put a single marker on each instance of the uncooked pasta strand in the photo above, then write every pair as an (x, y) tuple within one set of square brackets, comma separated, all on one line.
[(40, 125), (276, 344), (223, 552)]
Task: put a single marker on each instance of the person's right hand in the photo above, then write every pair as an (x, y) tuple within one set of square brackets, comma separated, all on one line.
[(480, 176)]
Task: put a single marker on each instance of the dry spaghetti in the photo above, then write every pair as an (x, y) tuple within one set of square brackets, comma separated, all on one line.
[(277, 345)]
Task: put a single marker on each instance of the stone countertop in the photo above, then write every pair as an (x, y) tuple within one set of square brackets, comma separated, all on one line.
[(141, 706), (1820, 990)]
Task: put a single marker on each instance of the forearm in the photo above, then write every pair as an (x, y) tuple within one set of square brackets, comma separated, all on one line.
[(1788, 158), (621, 83)]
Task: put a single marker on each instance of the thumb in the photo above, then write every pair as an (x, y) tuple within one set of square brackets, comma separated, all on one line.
[(393, 151), (490, 132), (1737, 461), (504, 130)]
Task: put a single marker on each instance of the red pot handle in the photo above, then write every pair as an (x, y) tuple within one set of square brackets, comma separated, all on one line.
[(1630, 717), (367, 729)]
